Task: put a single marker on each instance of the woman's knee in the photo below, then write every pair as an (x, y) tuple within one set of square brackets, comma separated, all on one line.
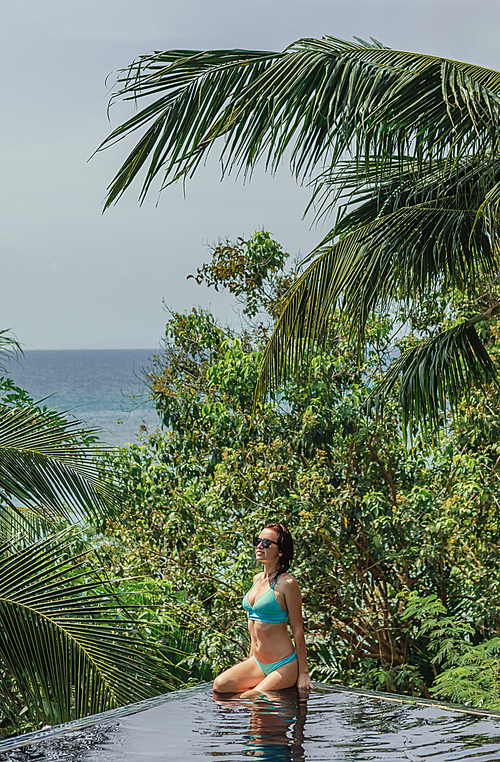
[(221, 683), (238, 678)]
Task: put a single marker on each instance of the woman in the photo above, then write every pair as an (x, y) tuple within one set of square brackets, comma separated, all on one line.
[(273, 664)]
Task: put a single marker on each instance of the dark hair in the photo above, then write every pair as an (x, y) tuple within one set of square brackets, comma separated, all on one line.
[(285, 545)]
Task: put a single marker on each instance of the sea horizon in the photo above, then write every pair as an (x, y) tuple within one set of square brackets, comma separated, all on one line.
[(102, 387)]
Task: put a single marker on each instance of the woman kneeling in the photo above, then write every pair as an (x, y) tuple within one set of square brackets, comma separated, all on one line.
[(274, 664)]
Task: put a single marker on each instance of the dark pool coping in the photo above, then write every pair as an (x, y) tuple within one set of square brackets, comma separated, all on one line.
[(16, 742), (413, 700)]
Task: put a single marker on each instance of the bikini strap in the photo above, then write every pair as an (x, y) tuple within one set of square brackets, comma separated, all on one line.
[(274, 583)]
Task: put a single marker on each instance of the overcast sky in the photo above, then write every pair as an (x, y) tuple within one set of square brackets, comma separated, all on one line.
[(74, 278)]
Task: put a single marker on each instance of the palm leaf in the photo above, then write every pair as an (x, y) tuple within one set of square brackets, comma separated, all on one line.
[(194, 87), (422, 189), (67, 645), (24, 523), (370, 189), (398, 257), (302, 325), (489, 211), (47, 465), (10, 348), (409, 232), (436, 373), (314, 100)]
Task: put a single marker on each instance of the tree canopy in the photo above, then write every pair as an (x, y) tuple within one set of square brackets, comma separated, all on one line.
[(403, 145), (396, 550)]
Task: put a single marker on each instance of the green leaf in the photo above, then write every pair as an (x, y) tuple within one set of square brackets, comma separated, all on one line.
[(47, 465), (422, 188), (439, 370), (10, 348), (314, 100), (68, 644)]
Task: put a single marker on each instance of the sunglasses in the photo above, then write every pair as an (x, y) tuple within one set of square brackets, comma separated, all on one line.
[(266, 543)]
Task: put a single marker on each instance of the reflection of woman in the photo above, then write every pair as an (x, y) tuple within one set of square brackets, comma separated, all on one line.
[(277, 728), (276, 731), (273, 664)]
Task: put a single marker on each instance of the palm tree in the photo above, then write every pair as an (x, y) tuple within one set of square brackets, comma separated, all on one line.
[(404, 146), (69, 647)]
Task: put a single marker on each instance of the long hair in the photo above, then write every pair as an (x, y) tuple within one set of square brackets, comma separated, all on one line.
[(285, 545)]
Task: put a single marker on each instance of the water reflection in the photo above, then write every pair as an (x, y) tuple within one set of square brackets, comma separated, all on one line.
[(277, 720), (278, 727)]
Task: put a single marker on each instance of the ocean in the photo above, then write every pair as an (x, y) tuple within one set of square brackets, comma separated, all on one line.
[(97, 386)]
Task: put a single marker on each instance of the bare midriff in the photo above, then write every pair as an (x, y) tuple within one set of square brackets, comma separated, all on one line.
[(270, 642)]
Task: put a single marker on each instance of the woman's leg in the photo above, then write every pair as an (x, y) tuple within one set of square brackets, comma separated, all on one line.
[(277, 680), (241, 677)]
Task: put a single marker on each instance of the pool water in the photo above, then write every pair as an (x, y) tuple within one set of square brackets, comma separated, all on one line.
[(330, 725)]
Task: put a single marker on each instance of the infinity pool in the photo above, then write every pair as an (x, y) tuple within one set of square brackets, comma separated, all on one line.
[(330, 725)]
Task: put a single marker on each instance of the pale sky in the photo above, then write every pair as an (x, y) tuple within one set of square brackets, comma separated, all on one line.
[(74, 278)]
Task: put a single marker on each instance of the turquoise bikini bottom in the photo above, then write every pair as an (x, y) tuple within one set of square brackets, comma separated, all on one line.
[(267, 668)]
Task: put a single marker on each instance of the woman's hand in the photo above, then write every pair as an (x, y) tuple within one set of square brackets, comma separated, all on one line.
[(304, 684)]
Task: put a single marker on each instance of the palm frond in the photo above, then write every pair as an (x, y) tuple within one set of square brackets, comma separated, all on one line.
[(489, 211), (303, 322), (23, 523), (436, 373), (195, 87), (398, 256), (47, 467), (67, 646), (10, 348), (314, 100), (370, 189), (422, 199)]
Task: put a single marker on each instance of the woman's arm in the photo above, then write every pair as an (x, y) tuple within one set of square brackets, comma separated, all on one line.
[(293, 600)]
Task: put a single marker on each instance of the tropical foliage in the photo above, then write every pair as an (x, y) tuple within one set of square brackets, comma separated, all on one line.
[(69, 644), (67, 647), (397, 548), (380, 531), (470, 673), (417, 201)]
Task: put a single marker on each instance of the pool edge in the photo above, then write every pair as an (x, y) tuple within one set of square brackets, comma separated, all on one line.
[(16, 742), (413, 700)]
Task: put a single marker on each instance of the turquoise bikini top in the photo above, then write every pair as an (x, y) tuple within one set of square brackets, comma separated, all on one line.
[(266, 608)]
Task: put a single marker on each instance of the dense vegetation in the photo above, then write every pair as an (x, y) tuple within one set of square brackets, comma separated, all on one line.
[(71, 643), (395, 514), (396, 541), (397, 547), (400, 148), (378, 444)]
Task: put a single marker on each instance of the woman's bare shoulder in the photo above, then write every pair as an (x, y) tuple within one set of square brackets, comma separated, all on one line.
[(288, 582)]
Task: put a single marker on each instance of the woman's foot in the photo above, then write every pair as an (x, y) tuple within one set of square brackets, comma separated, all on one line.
[(251, 694)]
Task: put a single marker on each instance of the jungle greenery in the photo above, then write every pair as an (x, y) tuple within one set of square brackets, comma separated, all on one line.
[(71, 644), (388, 330), (396, 546), (128, 566), (403, 146)]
